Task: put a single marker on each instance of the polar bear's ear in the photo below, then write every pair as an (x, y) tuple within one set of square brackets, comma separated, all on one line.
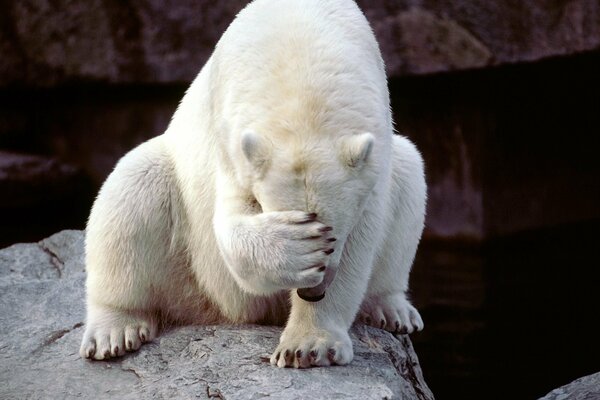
[(255, 149), (358, 148)]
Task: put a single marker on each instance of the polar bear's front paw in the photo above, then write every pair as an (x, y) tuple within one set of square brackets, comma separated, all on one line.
[(299, 247), (392, 312), (112, 333), (313, 348)]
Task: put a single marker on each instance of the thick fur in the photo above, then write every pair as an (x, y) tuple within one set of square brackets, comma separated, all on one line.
[(279, 167)]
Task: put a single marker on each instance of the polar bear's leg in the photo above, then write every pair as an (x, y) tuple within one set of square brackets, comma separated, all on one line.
[(317, 332), (268, 252), (386, 304), (128, 242)]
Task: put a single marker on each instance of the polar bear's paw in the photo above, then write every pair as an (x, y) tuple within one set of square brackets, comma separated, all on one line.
[(392, 312), (112, 333), (313, 348), (298, 248)]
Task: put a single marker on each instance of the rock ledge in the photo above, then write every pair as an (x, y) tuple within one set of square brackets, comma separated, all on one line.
[(41, 323)]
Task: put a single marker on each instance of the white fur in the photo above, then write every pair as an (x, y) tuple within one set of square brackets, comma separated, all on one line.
[(211, 221)]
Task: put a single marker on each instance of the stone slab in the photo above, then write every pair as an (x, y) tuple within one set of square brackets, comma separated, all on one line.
[(42, 321)]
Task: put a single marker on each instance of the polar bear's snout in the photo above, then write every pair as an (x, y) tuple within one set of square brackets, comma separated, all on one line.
[(317, 293)]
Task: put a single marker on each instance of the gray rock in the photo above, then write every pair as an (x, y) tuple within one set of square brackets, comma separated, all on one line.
[(41, 324), (585, 388), (139, 41)]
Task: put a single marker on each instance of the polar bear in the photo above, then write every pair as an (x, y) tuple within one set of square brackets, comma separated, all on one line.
[(279, 171)]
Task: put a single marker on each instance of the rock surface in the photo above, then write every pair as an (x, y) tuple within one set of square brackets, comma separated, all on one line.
[(41, 323), (585, 388), (139, 41)]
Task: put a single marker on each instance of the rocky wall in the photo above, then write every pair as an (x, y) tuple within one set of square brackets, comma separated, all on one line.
[(46, 43)]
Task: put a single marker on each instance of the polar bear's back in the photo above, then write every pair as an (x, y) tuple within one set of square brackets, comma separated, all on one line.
[(290, 57), (268, 34), (285, 15)]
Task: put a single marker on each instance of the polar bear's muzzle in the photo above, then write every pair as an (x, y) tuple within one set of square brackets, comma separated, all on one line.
[(317, 293)]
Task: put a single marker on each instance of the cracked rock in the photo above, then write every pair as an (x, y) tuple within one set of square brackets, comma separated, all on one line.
[(41, 324)]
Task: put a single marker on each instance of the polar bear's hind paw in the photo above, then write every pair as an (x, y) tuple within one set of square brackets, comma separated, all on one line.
[(393, 313)]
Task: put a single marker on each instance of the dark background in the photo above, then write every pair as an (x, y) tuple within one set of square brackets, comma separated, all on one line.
[(502, 98)]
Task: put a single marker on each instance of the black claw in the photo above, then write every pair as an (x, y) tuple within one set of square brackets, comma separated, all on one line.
[(331, 240), (397, 325), (326, 229), (129, 345), (116, 350), (368, 320), (312, 216), (298, 353), (322, 268), (107, 354), (403, 330), (328, 251), (143, 337), (313, 354), (382, 323), (277, 356), (331, 355)]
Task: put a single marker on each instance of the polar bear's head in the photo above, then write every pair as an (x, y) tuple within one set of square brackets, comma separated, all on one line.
[(331, 177)]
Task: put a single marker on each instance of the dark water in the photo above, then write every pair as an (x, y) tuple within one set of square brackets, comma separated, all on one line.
[(512, 318)]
